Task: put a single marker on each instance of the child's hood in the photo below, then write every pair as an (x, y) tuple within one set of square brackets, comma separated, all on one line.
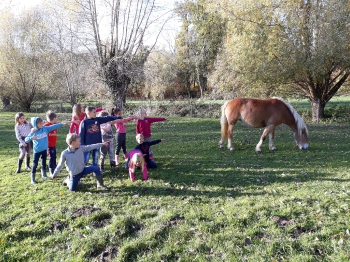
[(33, 122)]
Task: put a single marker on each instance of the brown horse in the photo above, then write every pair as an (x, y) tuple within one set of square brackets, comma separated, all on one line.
[(267, 113)]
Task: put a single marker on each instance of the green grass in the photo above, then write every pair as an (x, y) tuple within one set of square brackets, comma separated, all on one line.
[(200, 204)]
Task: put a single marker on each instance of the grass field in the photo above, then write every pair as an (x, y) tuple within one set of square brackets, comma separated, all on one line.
[(200, 204)]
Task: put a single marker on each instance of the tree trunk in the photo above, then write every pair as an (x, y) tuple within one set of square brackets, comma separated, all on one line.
[(117, 83), (6, 101), (202, 84), (119, 94), (188, 85), (317, 109)]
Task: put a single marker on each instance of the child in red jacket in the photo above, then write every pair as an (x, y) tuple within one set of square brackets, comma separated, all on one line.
[(51, 118), (143, 126)]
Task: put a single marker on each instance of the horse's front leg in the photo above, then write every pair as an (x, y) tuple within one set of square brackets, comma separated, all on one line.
[(229, 138), (271, 137), (262, 139)]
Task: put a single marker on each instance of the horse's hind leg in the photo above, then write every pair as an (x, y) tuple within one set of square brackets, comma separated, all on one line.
[(221, 143), (271, 137), (229, 137)]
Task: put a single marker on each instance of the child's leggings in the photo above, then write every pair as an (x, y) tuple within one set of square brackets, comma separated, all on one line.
[(43, 155), (24, 151), (121, 143), (110, 153)]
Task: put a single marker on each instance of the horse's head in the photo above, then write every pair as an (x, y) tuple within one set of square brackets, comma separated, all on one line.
[(302, 139)]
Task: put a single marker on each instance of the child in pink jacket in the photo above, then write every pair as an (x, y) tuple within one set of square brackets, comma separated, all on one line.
[(120, 134), (134, 161)]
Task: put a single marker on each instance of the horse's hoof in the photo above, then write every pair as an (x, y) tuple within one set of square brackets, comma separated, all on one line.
[(273, 149), (221, 146), (232, 149), (258, 151)]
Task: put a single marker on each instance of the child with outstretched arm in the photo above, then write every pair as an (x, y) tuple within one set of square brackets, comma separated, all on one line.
[(143, 126), (90, 131), (73, 158), (144, 146), (78, 115), (38, 135)]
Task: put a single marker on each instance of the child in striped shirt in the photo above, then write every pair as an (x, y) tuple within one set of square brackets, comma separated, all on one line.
[(22, 129)]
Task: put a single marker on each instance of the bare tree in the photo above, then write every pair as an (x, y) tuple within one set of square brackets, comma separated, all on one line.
[(73, 69), (25, 58), (121, 52)]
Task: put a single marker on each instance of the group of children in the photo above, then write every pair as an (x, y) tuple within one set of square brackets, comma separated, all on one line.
[(89, 134)]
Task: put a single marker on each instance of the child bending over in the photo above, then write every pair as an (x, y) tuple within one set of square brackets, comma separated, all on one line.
[(134, 161)]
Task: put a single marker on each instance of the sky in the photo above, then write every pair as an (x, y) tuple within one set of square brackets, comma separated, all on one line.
[(165, 40), (20, 4)]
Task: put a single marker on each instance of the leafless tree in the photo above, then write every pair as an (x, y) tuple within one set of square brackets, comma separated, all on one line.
[(73, 68), (25, 58), (120, 51)]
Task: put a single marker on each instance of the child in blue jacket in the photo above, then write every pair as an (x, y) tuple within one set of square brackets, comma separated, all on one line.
[(39, 136)]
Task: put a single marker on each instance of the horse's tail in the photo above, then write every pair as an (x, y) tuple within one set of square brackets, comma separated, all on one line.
[(223, 121)]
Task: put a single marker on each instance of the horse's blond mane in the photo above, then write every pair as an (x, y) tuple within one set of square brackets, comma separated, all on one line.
[(298, 120)]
